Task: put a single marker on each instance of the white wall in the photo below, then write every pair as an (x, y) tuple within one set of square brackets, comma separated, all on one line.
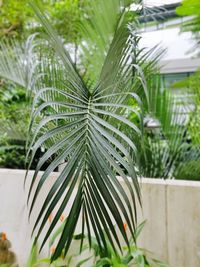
[(177, 44), (172, 210), (180, 54)]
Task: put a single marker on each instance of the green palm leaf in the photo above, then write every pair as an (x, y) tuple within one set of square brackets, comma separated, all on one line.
[(163, 145), (79, 123), (18, 62), (87, 137)]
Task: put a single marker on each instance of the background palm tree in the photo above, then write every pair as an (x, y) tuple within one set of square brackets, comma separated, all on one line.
[(164, 132)]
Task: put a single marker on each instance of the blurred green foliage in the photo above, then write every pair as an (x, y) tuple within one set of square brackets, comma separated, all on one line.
[(13, 17), (14, 120), (17, 18), (190, 168), (15, 111), (12, 156), (189, 171), (15, 108), (190, 165), (194, 126), (191, 86), (191, 8)]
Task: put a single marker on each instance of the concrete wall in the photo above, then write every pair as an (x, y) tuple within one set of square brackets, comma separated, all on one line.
[(172, 210)]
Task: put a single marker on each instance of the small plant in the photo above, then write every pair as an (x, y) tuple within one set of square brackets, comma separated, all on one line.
[(129, 256)]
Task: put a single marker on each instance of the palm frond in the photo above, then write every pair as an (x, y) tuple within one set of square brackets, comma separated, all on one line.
[(18, 62), (86, 136), (163, 142), (97, 30)]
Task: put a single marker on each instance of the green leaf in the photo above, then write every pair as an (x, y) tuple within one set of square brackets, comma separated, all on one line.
[(80, 125), (80, 263), (33, 257)]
